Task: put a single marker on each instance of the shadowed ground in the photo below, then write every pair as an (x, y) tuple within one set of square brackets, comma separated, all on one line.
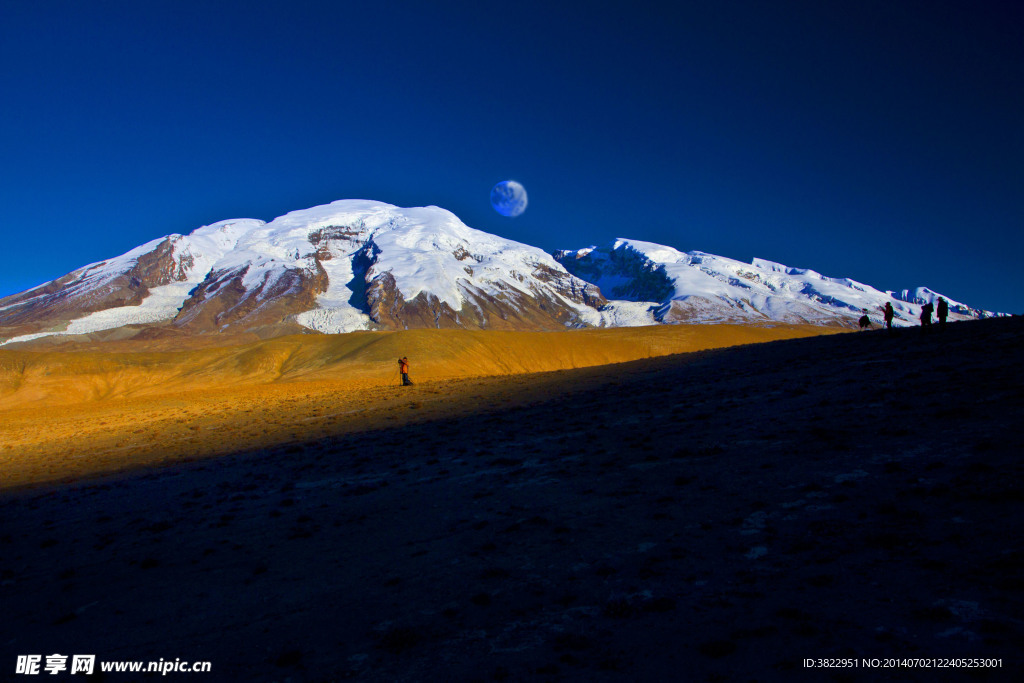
[(712, 516)]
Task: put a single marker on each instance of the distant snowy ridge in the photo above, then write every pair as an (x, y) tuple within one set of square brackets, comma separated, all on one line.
[(360, 264), (697, 287)]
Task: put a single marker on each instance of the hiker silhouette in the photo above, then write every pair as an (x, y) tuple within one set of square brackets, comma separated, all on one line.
[(403, 367), (865, 321), (926, 316), (943, 312), (889, 315)]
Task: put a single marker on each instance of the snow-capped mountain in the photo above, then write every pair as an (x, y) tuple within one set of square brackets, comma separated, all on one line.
[(350, 265), (358, 264), (697, 287)]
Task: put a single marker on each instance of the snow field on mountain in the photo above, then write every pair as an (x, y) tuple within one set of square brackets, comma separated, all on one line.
[(162, 303), (763, 289), (334, 316), (626, 314), (699, 274), (426, 250), (431, 250), (334, 313)]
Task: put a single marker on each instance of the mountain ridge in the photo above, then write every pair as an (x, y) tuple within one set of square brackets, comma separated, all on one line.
[(363, 265), (698, 287)]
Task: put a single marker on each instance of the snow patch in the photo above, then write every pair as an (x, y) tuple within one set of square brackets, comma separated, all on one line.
[(162, 303)]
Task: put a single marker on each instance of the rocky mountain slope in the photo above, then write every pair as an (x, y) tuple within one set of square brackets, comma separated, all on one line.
[(363, 265)]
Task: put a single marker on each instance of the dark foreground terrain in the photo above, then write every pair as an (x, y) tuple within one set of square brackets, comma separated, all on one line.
[(723, 515)]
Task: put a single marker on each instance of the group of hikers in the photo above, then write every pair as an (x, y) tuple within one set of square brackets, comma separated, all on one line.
[(889, 314)]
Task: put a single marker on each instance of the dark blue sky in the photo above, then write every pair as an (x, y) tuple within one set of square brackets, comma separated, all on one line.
[(882, 141)]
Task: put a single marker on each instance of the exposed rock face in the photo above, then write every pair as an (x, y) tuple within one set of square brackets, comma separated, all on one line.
[(628, 274), (334, 239), (506, 309), (572, 288), (223, 300), (94, 288)]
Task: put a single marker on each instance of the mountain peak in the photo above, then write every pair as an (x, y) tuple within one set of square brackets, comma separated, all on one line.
[(348, 265)]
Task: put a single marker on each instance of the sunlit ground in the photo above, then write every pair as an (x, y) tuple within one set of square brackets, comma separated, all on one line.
[(68, 413)]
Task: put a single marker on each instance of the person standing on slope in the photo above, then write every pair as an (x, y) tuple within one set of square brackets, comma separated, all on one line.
[(943, 313), (889, 315), (926, 316), (403, 367)]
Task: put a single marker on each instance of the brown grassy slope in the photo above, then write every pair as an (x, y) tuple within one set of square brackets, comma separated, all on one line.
[(67, 413), (99, 372), (714, 516)]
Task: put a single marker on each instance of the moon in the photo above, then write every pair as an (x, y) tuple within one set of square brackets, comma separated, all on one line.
[(509, 198)]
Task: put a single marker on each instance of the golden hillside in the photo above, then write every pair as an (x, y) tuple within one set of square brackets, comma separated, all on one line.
[(102, 408), (358, 359)]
